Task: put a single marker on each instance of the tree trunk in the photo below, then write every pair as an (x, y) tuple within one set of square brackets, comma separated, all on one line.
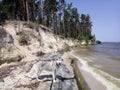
[(63, 24), (56, 22), (33, 10), (59, 23), (53, 24), (27, 11)]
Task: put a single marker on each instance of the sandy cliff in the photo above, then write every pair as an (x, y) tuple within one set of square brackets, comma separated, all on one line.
[(23, 65)]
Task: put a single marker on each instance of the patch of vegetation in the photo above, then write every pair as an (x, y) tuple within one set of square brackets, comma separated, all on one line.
[(31, 25), (23, 39), (79, 37), (67, 29), (76, 45), (88, 37), (98, 42), (67, 48)]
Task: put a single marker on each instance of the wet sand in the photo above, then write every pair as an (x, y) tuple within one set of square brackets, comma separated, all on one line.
[(91, 81)]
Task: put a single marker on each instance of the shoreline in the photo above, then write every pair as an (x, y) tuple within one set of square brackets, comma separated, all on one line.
[(92, 82), (99, 66), (88, 80)]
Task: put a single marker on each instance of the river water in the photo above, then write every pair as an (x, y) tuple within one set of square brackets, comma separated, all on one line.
[(103, 62)]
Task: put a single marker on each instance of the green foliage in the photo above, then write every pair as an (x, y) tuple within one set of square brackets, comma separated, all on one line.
[(67, 48), (98, 42), (86, 38), (23, 39), (31, 25), (50, 6), (58, 15), (89, 37), (80, 38)]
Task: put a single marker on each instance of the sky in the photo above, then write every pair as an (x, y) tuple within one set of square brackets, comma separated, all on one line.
[(105, 16)]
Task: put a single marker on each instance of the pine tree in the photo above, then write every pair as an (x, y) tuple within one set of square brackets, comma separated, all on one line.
[(63, 18)]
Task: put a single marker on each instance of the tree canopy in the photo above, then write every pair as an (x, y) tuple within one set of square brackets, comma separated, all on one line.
[(58, 15)]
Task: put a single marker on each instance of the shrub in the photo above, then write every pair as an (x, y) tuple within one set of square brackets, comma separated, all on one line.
[(98, 42), (31, 25), (79, 37), (67, 48), (89, 37), (23, 39), (76, 45)]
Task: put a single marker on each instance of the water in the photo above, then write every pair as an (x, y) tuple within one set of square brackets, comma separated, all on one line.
[(103, 62)]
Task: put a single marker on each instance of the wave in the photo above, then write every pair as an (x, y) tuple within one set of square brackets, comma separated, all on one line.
[(110, 82)]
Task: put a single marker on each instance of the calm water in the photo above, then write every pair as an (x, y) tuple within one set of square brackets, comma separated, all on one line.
[(103, 61)]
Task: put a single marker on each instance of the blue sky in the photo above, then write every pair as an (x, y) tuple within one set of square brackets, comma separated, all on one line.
[(105, 15)]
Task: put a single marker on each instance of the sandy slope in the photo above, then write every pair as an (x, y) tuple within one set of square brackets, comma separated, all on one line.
[(21, 49), (18, 75), (50, 42)]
